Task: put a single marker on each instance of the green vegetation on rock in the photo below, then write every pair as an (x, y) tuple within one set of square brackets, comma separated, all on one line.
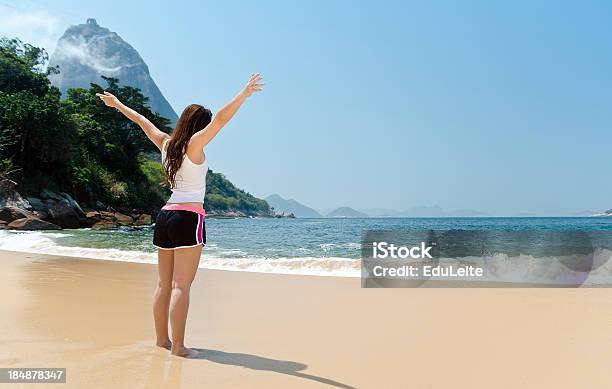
[(79, 146)]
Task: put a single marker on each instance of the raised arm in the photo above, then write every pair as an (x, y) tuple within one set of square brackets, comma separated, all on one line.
[(154, 134), (225, 114)]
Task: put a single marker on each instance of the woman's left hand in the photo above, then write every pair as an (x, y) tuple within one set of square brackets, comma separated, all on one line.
[(109, 99)]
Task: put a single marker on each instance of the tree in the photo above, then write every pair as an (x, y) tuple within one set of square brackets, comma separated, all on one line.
[(35, 133)]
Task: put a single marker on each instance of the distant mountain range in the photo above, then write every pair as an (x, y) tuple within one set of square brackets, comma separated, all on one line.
[(422, 211), (87, 51), (291, 206), (300, 210), (303, 211), (346, 212), (287, 206)]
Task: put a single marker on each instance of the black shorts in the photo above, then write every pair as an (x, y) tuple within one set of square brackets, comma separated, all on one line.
[(176, 229)]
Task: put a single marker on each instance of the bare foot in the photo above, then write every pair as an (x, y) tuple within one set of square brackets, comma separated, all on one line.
[(185, 352), (167, 344)]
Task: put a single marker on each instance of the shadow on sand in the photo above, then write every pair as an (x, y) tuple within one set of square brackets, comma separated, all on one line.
[(266, 364)]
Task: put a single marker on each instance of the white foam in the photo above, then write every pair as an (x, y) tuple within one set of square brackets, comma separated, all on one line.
[(43, 243), (500, 267)]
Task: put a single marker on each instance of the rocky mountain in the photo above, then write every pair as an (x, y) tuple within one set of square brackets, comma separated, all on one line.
[(604, 213), (87, 51), (291, 206), (346, 212)]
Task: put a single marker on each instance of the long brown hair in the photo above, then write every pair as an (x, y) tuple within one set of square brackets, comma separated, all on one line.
[(193, 119)]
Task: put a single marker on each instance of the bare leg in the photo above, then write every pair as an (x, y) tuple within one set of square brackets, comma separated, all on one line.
[(161, 297), (185, 266)]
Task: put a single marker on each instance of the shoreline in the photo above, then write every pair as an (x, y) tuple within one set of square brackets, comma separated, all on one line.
[(200, 268), (340, 267), (284, 331), (283, 266)]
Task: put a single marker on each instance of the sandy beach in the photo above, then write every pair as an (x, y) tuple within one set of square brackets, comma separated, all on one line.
[(278, 331)]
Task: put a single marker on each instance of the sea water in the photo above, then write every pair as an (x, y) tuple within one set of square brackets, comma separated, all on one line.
[(328, 246)]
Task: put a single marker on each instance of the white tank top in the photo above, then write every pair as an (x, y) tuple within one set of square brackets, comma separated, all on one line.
[(190, 180)]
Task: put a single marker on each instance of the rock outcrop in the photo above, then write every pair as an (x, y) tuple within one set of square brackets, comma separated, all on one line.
[(31, 223), (142, 219), (64, 215), (52, 211), (11, 213), (10, 197), (87, 51)]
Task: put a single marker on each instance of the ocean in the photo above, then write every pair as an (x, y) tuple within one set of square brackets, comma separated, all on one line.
[(330, 246)]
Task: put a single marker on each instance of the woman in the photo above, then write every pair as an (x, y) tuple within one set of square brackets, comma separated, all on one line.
[(179, 229)]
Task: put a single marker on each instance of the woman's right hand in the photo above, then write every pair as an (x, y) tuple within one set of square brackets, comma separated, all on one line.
[(109, 99), (253, 85)]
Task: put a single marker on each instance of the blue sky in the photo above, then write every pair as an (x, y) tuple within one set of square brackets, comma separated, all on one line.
[(502, 107)]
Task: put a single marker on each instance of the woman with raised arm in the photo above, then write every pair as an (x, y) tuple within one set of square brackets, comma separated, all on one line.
[(179, 228)]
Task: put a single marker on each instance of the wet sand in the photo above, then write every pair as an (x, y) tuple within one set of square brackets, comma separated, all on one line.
[(279, 331)]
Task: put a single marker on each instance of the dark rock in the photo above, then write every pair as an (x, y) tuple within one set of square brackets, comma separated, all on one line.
[(93, 215), (123, 219), (107, 216), (41, 214), (3, 225), (32, 223), (11, 198), (142, 220), (64, 216), (87, 222), (105, 225), (46, 194), (49, 203), (10, 213), (73, 203), (37, 204), (90, 219)]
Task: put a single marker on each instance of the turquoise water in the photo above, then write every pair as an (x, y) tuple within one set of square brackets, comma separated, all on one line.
[(316, 246)]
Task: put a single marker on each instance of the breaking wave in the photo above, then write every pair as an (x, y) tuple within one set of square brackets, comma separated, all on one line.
[(44, 243)]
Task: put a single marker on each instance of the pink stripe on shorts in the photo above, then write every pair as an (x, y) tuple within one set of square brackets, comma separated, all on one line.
[(178, 207)]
